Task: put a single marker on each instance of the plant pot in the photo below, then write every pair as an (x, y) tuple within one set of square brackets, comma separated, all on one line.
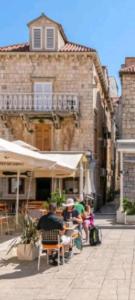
[(27, 252), (120, 217), (129, 219)]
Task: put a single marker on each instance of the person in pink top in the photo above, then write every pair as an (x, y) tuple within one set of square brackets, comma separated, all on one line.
[(88, 221)]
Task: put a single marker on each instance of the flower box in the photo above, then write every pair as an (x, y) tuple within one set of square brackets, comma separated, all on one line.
[(129, 219)]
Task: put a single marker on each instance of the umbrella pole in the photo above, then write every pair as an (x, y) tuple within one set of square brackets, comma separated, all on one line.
[(81, 182), (17, 197), (60, 186), (29, 190)]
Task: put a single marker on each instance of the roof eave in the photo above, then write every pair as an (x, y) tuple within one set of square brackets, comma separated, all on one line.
[(100, 72)]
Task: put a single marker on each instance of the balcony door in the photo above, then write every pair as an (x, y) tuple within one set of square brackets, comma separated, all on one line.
[(43, 96), (43, 135)]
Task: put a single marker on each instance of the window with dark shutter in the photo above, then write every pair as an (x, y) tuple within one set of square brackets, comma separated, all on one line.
[(50, 38), (37, 43)]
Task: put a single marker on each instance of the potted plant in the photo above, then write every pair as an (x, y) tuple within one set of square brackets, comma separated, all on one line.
[(27, 248), (129, 209), (45, 205), (58, 198)]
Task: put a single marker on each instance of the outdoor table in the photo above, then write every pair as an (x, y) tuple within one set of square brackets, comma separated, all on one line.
[(71, 229)]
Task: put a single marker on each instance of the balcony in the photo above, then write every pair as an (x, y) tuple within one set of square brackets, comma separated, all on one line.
[(39, 103)]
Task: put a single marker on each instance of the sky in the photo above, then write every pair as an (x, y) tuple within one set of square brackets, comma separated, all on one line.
[(106, 25)]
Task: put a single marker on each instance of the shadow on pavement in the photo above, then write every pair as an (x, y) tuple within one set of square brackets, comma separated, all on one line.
[(23, 268)]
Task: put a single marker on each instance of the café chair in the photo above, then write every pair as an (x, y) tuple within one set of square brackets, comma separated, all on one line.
[(3, 218), (49, 241)]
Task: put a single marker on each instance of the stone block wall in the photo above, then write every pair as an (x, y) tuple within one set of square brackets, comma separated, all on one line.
[(129, 181), (68, 73), (128, 130), (128, 106)]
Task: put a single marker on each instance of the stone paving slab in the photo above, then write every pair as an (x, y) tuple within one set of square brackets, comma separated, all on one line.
[(105, 272)]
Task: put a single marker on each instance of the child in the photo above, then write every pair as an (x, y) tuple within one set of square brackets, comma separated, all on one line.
[(88, 221)]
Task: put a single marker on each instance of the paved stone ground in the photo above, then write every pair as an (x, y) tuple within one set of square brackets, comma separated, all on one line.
[(105, 272)]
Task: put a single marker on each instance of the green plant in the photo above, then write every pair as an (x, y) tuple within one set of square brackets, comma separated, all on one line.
[(128, 207), (126, 204), (131, 211), (29, 235), (58, 198), (45, 205)]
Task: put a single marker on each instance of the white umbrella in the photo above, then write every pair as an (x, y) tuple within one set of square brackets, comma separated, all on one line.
[(89, 187), (17, 158)]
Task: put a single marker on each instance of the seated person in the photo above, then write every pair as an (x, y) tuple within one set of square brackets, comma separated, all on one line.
[(79, 206), (51, 221), (70, 213), (88, 220)]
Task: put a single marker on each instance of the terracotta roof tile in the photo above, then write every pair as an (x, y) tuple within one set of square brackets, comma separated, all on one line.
[(129, 69), (18, 47), (68, 47), (72, 47)]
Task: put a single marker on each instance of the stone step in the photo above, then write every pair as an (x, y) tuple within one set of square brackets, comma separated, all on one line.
[(116, 226)]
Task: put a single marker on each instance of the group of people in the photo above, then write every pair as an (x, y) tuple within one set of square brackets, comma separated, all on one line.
[(74, 211)]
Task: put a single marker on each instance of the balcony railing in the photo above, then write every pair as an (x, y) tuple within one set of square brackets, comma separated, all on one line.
[(39, 102)]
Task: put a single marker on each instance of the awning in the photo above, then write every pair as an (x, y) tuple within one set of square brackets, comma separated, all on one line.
[(25, 145), (13, 156), (126, 146), (66, 165)]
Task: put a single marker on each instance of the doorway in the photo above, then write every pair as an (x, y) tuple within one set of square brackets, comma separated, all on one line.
[(43, 189)]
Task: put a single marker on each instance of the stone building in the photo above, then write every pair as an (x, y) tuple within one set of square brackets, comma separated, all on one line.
[(54, 94), (116, 130), (127, 75)]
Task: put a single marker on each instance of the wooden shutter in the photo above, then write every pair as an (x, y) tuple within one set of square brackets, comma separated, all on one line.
[(37, 42), (50, 38), (43, 136)]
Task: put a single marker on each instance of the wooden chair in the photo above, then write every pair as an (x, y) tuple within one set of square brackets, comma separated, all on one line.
[(3, 217), (49, 241), (35, 205), (33, 209)]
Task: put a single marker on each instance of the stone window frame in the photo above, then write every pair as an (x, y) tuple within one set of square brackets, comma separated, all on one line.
[(71, 185), (54, 39), (13, 181), (41, 36)]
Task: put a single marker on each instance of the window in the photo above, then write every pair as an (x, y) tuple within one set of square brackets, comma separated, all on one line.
[(37, 38), (43, 96), (71, 185), (12, 185), (49, 38)]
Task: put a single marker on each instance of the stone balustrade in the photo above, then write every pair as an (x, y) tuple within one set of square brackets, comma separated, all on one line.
[(39, 102)]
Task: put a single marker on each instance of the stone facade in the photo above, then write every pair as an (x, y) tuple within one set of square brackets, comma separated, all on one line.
[(75, 71), (129, 181), (127, 74)]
